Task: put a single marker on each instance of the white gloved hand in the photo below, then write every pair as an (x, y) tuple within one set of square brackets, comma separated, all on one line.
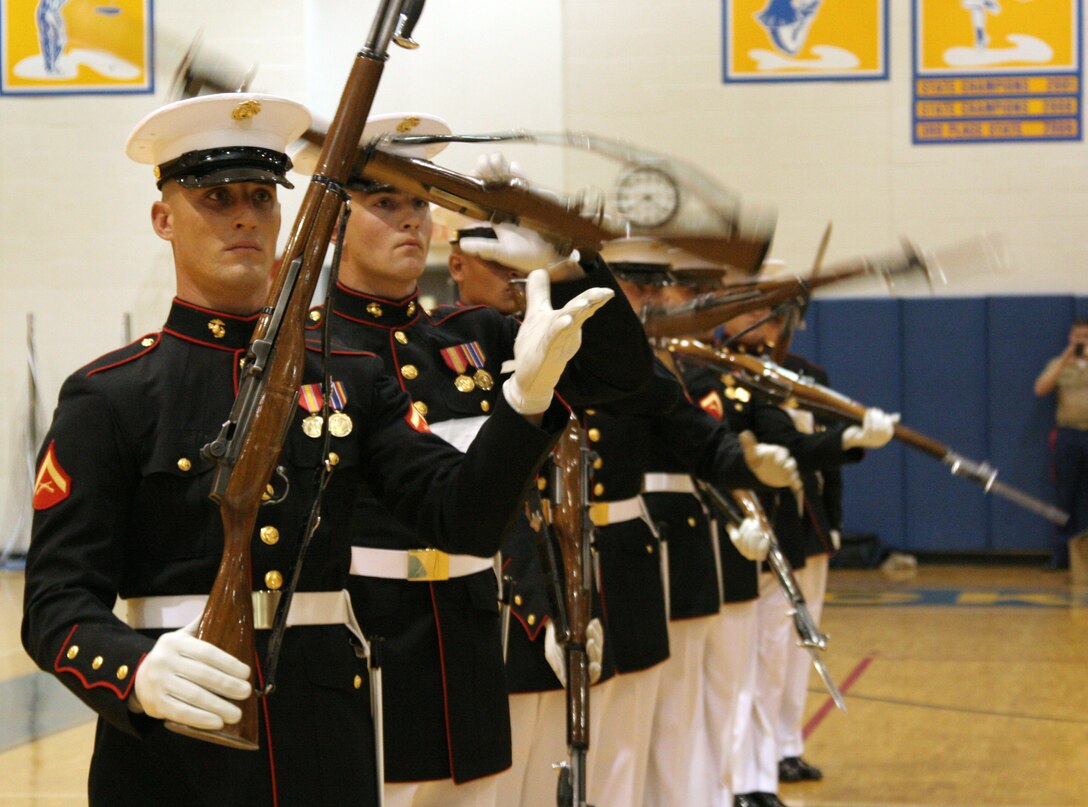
[(545, 343), (188, 680), (772, 465), (876, 429), (556, 656), (750, 539), (495, 166), (836, 540), (518, 248)]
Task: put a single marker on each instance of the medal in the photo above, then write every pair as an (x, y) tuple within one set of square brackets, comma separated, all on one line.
[(484, 380), (464, 383), (311, 426), (339, 424)]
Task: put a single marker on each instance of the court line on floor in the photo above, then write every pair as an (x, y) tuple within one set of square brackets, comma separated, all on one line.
[(966, 711), (829, 704)]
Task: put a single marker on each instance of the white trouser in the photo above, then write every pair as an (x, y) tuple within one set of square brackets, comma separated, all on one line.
[(538, 733), (624, 706), (442, 793), (679, 764), (813, 582), (729, 680), (757, 771)]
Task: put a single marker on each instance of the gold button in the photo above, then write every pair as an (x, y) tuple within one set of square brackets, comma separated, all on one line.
[(97, 662), (334, 458), (147, 341), (597, 463), (358, 682), (594, 435), (517, 599), (598, 489), (649, 549), (184, 464), (591, 412), (531, 619), (122, 672), (315, 316), (401, 337), (409, 371), (420, 407), (541, 483), (691, 521), (73, 651), (485, 406), (411, 309), (374, 310), (273, 580), (270, 535)]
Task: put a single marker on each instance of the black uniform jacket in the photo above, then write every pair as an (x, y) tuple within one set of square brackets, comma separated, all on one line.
[(447, 712), (122, 509), (625, 434), (745, 410), (823, 488)]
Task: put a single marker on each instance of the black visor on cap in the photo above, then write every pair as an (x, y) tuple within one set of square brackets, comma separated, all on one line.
[(221, 166), (699, 278), (655, 274), (479, 231)]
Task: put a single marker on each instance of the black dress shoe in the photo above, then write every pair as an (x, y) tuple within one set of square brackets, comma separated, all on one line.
[(747, 800), (795, 769), (769, 800)]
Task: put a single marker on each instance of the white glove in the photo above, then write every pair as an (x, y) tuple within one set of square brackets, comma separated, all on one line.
[(545, 343), (772, 465), (836, 540), (188, 680), (495, 166), (876, 429), (518, 248), (750, 539), (556, 656)]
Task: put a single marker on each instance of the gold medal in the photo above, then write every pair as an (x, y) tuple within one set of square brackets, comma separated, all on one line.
[(339, 424), (464, 383), (484, 380), (311, 426)]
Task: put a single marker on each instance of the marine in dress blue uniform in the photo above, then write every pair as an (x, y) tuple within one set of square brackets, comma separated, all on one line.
[(122, 506)]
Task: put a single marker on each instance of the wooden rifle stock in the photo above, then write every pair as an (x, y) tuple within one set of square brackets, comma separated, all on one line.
[(250, 442), (708, 311)]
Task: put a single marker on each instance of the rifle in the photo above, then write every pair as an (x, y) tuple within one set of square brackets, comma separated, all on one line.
[(795, 318), (248, 446), (708, 311), (783, 385), (573, 531), (564, 220), (808, 635)]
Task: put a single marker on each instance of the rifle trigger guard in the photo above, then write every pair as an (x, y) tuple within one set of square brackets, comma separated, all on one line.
[(281, 472)]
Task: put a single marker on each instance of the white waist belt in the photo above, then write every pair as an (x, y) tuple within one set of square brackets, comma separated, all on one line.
[(604, 513), (307, 608), (667, 483), (417, 565)]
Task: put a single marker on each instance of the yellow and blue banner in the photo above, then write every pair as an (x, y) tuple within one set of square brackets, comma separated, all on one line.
[(997, 71), (76, 46), (804, 40)]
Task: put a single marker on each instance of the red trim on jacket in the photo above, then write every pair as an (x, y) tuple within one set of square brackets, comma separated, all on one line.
[(86, 684)]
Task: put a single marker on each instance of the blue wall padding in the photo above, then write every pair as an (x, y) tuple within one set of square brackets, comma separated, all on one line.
[(960, 370)]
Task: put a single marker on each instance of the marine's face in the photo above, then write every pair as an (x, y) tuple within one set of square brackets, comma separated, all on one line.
[(1078, 335), (224, 241), (385, 247), (487, 283), (761, 335)]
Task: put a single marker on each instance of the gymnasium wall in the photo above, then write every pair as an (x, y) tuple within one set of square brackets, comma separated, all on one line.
[(77, 250)]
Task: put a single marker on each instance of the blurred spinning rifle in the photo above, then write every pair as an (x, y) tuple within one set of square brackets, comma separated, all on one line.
[(569, 222), (708, 311), (249, 445), (782, 385), (745, 504), (795, 317)]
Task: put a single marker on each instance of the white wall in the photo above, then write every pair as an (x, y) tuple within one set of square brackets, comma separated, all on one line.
[(77, 250)]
